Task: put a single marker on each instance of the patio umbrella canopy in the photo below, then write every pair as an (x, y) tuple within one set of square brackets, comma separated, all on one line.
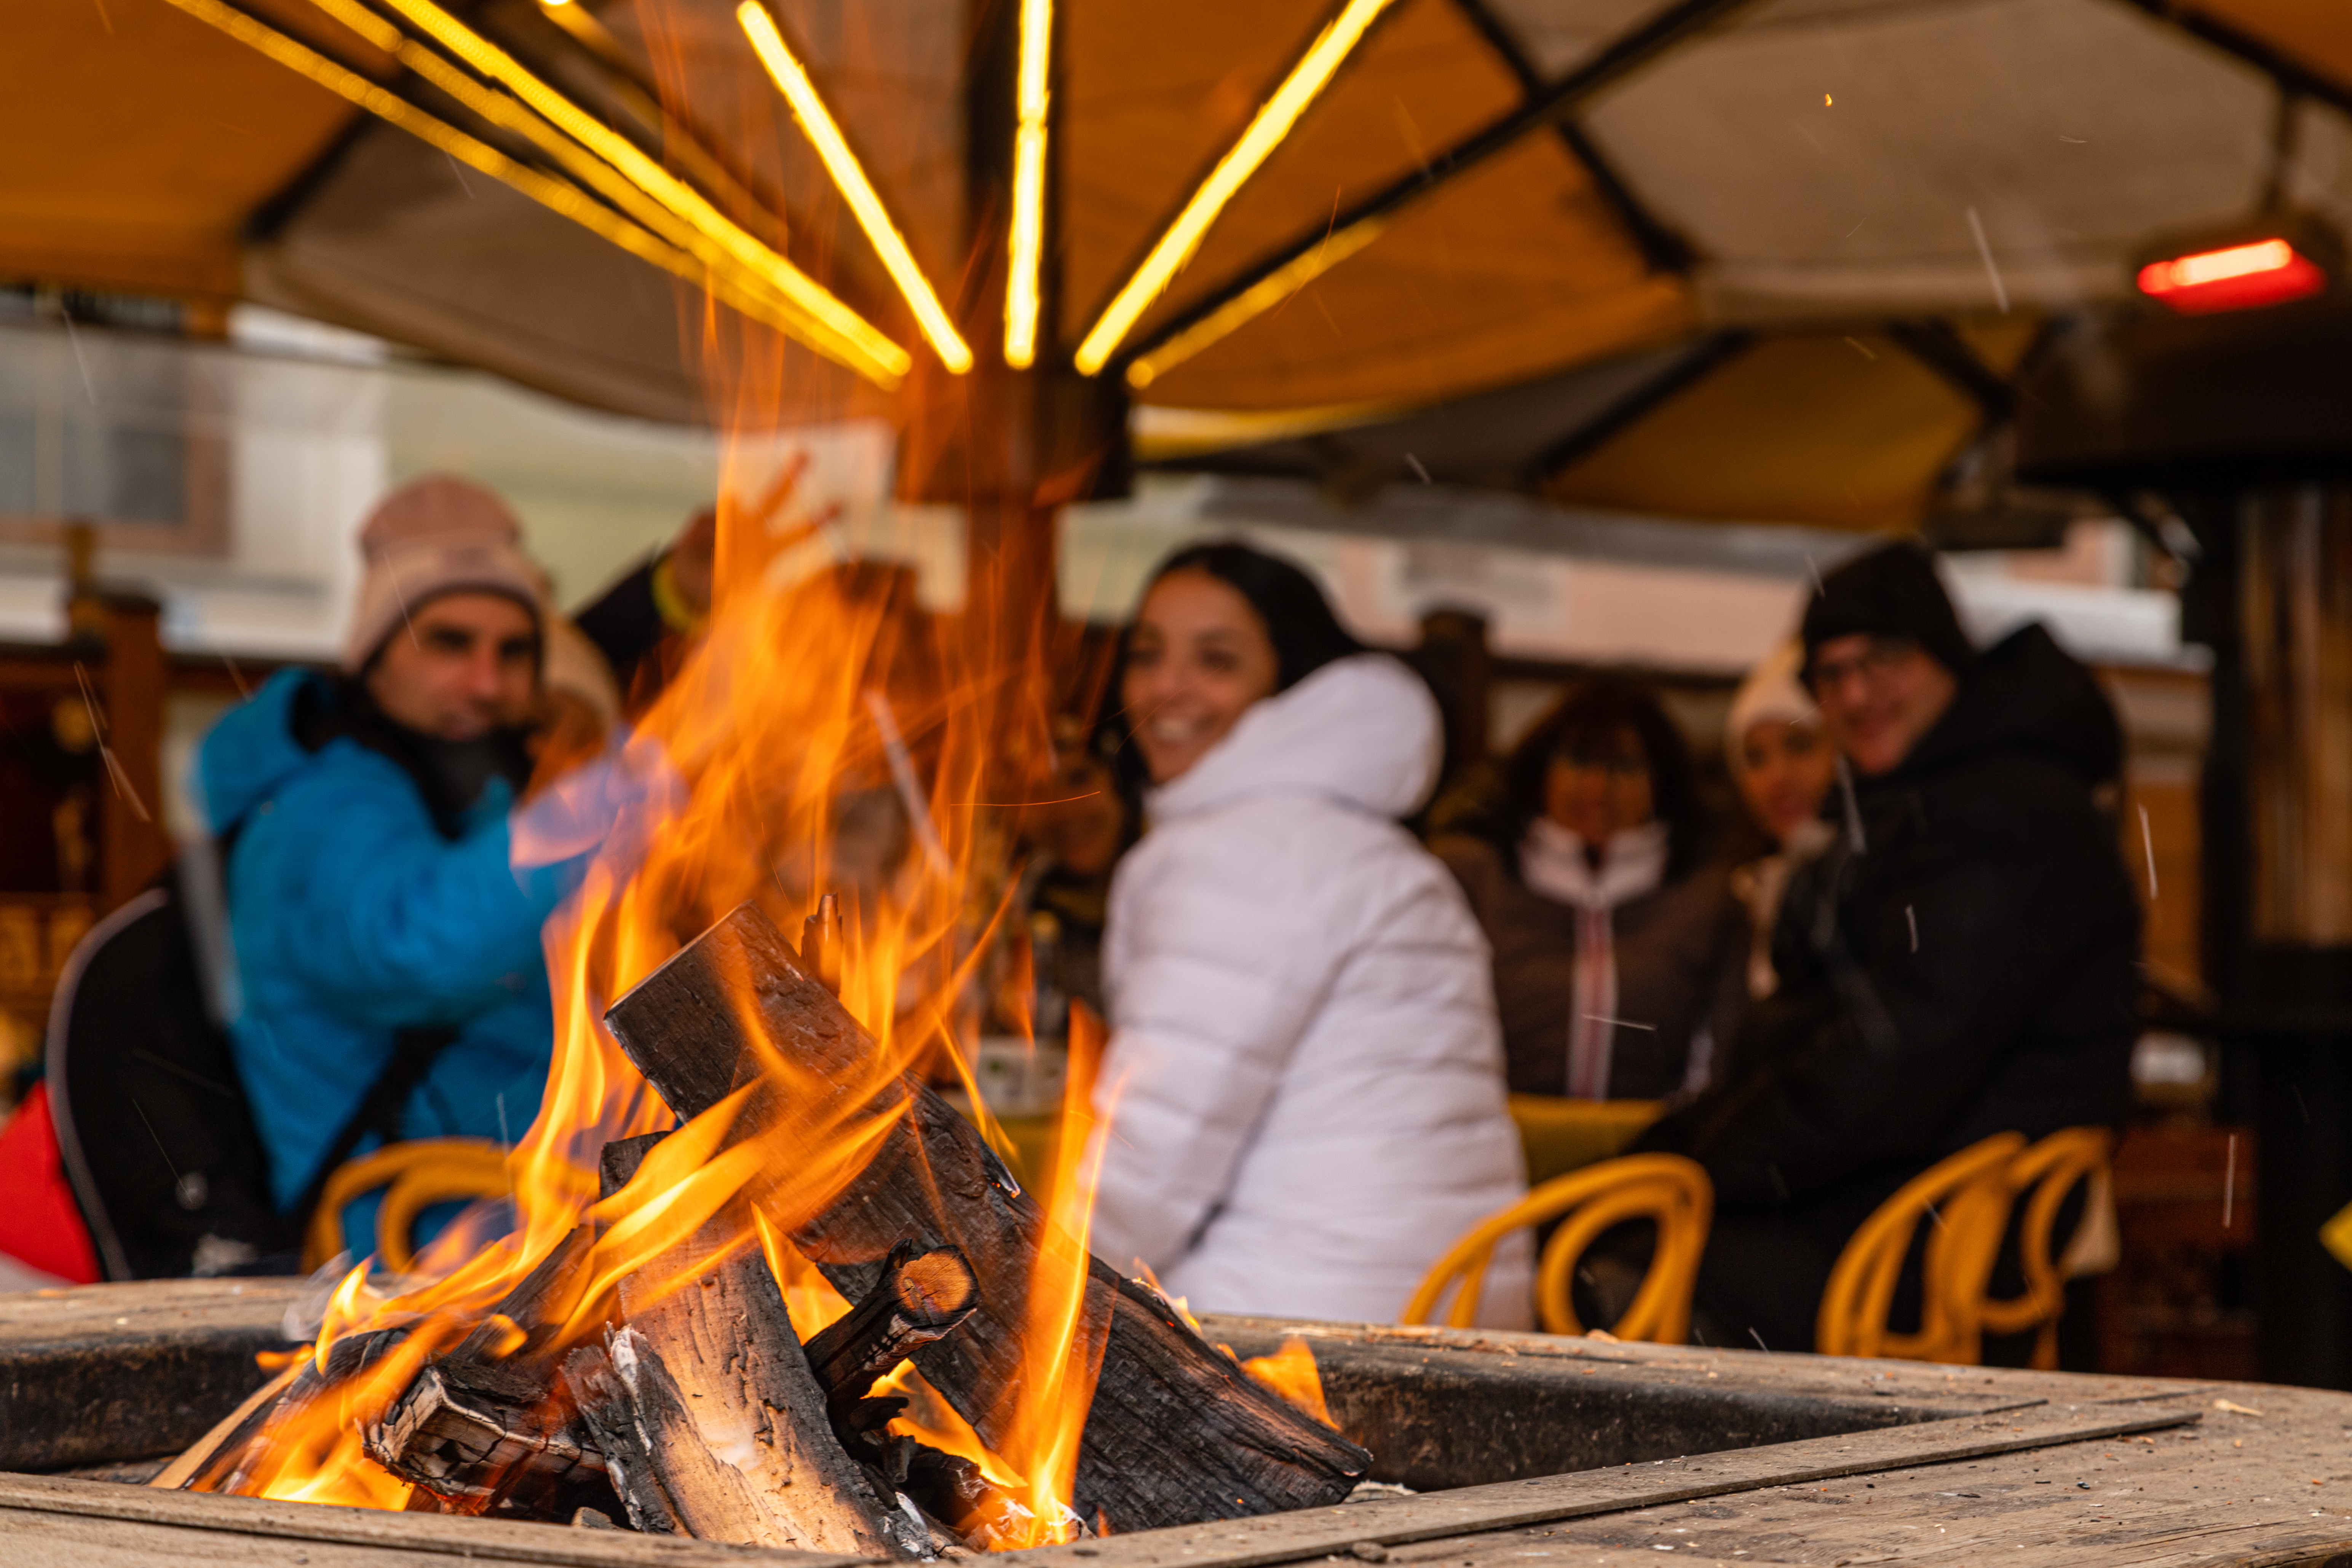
[(1750, 258)]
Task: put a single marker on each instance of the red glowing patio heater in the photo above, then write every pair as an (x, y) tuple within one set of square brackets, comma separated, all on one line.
[(2244, 268)]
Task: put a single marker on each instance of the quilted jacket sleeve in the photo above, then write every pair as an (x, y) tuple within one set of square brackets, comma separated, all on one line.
[(1226, 934)]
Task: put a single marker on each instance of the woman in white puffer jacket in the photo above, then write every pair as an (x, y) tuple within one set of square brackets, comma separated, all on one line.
[(1305, 1078)]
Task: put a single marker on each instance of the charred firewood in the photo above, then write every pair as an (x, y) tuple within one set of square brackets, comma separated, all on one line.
[(922, 1297), (666, 1481), (482, 1428), (710, 1320), (1176, 1433), (481, 1437)]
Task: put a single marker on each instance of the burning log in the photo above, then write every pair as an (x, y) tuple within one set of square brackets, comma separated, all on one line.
[(921, 1298), (667, 1479), (479, 1435), (711, 1335), (478, 1428), (1176, 1433)]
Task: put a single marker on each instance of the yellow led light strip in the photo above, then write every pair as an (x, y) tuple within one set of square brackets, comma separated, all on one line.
[(1026, 249), (549, 193), (500, 110), (1261, 296), (849, 179), (1274, 122), (830, 326)]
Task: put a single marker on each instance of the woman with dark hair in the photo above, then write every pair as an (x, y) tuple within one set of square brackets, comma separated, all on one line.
[(1303, 1092), (1617, 956)]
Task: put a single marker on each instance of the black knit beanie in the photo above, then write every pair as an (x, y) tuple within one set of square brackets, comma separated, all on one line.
[(1892, 592)]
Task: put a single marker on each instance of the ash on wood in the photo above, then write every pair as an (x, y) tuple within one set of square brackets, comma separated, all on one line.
[(1176, 1433), (669, 1483), (709, 1321)]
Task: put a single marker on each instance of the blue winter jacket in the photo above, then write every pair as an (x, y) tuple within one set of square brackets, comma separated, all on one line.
[(353, 918)]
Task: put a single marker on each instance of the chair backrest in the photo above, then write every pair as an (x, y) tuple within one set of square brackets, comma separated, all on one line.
[(414, 1176), (1666, 1188), (2046, 1173), (1562, 1135), (1967, 1196)]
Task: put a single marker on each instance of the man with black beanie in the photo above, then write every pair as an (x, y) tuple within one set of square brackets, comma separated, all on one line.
[(1960, 962)]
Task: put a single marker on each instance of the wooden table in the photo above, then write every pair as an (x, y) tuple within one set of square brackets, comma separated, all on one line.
[(1816, 1461)]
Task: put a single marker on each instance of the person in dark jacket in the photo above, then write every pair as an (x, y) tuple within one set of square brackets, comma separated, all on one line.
[(1618, 956), (1960, 962)]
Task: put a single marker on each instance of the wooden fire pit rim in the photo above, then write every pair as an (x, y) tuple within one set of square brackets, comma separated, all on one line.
[(1337, 1531), (442, 1535)]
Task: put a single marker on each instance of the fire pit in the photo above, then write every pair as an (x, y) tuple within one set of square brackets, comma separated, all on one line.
[(1518, 1445)]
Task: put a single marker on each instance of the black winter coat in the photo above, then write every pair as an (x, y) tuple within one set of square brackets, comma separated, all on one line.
[(1969, 968)]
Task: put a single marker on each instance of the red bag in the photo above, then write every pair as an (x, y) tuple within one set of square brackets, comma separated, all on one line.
[(40, 1226)]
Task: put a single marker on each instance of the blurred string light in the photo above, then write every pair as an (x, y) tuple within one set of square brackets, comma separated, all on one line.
[(500, 110), (1266, 132), (1026, 246), (1262, 295), (815, 315), (849, 178), (553, 193)]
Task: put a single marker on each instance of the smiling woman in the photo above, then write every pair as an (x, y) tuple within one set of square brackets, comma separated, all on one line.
[(1303, 1096)]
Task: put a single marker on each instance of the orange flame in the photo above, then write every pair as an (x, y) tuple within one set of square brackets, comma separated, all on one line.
[(764, 772), (1290, 1373)]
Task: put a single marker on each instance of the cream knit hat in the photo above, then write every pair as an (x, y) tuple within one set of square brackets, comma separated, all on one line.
[(1773, 693), (435, 535)]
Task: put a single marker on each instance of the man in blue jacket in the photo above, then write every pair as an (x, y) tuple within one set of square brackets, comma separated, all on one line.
[(387, 945)]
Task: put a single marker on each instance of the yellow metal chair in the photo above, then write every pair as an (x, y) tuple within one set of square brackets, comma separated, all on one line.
[(1561, 1135), (1967, 1197), (1666, 1188), (415, 1177), (2050, 1169)]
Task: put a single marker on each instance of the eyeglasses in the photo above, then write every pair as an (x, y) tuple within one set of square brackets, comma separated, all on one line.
[(1877, 657)]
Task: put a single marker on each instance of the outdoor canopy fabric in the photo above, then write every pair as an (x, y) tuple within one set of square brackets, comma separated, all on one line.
[(1774, 185)]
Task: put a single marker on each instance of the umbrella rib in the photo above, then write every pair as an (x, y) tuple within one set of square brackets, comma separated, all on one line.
[(1943, 350), (2288, 75), (1639, 401), (1663, 249), (1632, 49)]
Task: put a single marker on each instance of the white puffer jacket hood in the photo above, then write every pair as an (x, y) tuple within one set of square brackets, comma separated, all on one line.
[(1361, 732), (1305, 1081)]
